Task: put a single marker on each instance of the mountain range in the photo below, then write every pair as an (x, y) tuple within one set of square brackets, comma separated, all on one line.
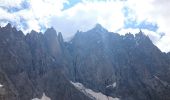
[(93, 65)]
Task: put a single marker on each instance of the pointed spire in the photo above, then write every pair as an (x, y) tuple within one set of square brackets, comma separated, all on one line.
[(99, 27), (60, 37), (8, 26), (140, 34), (51, 32), (140, 31), (33, 33)]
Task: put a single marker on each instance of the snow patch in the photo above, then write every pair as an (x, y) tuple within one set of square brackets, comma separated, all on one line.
[(112, 85), (1, 85), (92, 94), (44, 97)]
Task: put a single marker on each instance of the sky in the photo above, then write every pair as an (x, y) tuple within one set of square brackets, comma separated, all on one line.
[(69, 16)]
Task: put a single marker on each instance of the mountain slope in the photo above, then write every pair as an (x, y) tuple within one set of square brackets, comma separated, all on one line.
[(109, 65), (139, 69)]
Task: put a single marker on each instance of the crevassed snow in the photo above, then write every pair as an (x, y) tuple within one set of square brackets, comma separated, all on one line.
[(92, 94), (1, 85), (112, 85), (44, 97)]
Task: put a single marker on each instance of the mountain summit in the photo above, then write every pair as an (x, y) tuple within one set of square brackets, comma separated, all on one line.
[(94, 65)]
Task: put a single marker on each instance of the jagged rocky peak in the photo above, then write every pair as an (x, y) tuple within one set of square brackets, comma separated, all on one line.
[(51, 32), (8, 25), (10, 28), (141, 35), (53, 42), (10, 32), (33, 33), (142, 38), (34, 36), (98, 28), (98, 31), (129, 35), (138, 37)]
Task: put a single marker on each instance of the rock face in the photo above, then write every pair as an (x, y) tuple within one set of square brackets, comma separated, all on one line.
[(29, 67), (40, 65), (139, 69)]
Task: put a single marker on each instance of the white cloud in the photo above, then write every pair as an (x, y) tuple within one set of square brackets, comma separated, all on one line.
[(36, 15), (41, 11), (164, 43), (10, 3), (45, 8), (152, 10), (85, 15), (6, 15)]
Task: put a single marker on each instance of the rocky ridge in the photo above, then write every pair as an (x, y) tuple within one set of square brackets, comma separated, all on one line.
[(128, 67)]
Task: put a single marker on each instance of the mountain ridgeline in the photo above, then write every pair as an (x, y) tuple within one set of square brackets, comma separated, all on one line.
[(128, 67)]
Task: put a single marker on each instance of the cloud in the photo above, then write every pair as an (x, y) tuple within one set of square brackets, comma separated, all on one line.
[(10, 3), (164, 43), (85, 15), (30, 15)]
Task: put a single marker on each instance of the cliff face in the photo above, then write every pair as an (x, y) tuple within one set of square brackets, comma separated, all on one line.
[(125, 67), (30, 67), (139, 70)]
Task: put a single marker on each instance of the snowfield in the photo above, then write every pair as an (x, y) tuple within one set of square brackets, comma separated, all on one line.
[(92, 94)]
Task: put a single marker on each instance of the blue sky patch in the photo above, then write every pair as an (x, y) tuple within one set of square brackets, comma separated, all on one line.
[(24, 5), (71, 4), (141, 25)]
